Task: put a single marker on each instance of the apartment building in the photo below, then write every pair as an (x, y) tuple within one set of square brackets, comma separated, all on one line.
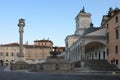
[(112, 24)]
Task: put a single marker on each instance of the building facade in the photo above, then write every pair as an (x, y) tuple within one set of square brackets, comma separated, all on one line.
[(112, 23), (39, 51), (99, 43), (8, 53), (36, 53)]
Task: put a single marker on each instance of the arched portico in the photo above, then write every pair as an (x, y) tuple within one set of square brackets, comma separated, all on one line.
[(95, 50), (88, 47)]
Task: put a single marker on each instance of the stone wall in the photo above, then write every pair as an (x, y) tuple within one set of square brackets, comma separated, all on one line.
[(65, 66), (51, 67), (20, 65)]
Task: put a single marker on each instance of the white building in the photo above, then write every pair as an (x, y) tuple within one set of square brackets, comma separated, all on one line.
[(88, 42)]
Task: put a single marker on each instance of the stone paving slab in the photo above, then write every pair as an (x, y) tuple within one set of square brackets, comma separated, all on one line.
[(7, 74)]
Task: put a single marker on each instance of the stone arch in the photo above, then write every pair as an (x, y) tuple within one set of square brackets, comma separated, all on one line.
[(95, 49), (94, 44), (91, 41)]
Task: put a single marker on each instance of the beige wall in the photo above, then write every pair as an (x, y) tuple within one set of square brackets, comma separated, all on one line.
[(43, 43), (70, 40), (8, 54), (112, 39), (37, 53)]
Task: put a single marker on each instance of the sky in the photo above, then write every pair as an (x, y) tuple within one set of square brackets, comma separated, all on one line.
[(47, 19)]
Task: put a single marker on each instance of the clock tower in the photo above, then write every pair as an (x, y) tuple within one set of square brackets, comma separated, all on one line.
[(83, 21)]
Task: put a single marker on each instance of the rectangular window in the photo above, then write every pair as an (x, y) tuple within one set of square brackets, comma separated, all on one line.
[(117, 33), (116, 49), (12, 54), (107, 51), (104, 55), (107, 35), (1, 54), (107, 26), (6, 53), (116, 19), (116, 61)]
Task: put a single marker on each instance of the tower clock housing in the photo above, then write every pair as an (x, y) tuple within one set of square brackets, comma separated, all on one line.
[(83, 21)]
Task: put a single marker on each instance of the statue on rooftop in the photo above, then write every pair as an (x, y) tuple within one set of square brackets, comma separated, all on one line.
[(83, 10)]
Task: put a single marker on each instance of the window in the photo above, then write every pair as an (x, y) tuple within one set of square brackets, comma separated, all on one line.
[(12, 54), (6, 53), (1, 54), (107, 35), (107, 51), (6, 60), (116, 19), (116, 61), (107, 26), (117, 33), (116, 49), (103, 54), (12, 60)]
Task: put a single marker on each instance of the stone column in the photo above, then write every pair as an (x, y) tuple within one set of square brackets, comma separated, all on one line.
[(83, 54), (21, 24), (83, 50)]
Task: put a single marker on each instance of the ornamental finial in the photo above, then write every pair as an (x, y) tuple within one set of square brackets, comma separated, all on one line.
[(83, 10)]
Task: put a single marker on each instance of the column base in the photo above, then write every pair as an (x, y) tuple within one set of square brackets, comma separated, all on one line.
[(19, 64)]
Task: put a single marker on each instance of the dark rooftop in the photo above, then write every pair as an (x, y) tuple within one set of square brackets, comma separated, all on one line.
[(90, 29)]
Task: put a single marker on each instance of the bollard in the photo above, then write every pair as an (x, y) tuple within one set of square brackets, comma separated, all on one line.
[(114, 73)]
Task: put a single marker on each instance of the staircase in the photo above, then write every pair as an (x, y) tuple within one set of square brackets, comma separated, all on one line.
[(99, 65)]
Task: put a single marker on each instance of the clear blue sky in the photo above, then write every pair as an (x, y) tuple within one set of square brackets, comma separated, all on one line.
[(53, 19)]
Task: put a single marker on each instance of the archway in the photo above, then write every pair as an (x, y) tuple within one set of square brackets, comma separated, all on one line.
[(95, 50)]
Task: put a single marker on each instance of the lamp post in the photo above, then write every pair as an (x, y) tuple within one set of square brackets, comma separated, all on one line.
[(21, 25)]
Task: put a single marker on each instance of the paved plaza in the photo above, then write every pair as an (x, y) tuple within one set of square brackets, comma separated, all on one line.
[(24, 75)]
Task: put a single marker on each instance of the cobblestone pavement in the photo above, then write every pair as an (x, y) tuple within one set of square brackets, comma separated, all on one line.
[(23, 75)]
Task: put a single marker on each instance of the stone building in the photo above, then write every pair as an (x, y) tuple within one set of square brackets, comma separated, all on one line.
[(59, 49), (91, 42), (43, 42), (112, 23), (36, 53), (39, 51), (8, 53)]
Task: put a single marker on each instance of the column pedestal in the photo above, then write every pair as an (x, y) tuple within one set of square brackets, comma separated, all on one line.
[(19, 65)]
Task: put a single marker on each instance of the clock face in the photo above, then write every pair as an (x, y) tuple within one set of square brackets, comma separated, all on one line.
[(85, 23)]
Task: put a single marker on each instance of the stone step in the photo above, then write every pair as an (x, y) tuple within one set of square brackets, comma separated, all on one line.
[(81, 70), (100, 65)]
